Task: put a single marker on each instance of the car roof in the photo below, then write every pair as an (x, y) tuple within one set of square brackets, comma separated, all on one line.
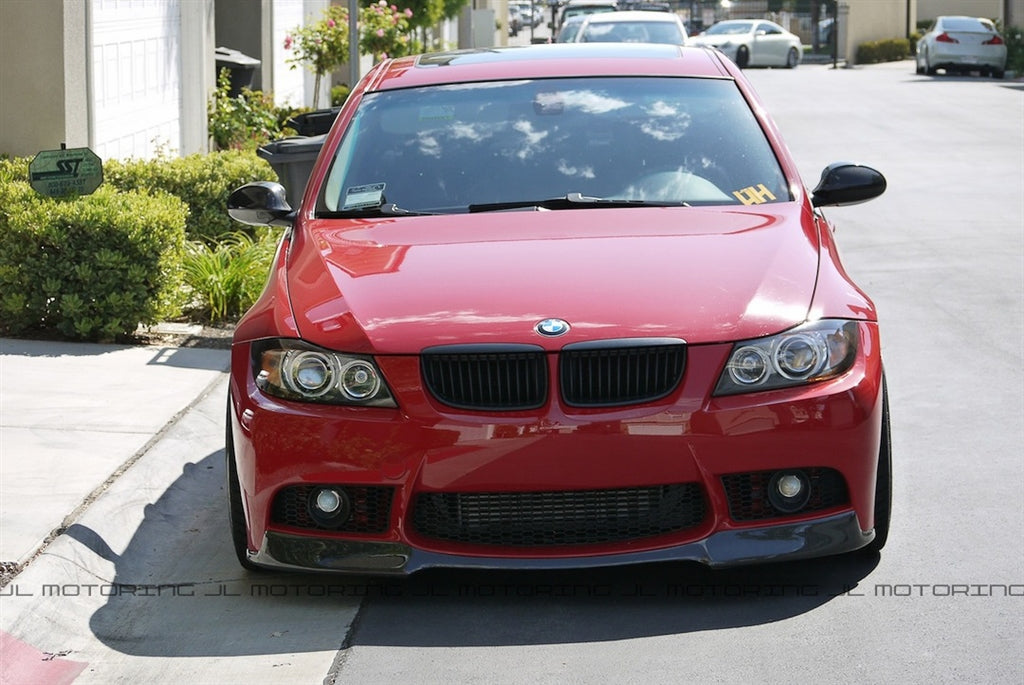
[(548, 61), (632, 15)]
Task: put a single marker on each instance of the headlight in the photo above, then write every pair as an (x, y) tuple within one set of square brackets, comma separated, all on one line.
[(294, 370), (812, 352)]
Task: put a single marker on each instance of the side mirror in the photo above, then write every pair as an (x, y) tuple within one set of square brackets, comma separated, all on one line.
[(262, 203), (846, 183)]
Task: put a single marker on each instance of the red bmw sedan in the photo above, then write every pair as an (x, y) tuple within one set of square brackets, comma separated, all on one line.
[(551, 307)]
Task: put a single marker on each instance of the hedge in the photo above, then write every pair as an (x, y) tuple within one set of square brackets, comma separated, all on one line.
[(203, 182), (889, 50), (88, 268)]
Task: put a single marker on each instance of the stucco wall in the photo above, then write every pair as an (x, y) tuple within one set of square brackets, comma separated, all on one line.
[(240, 26), (860, 22), (43, 93), (929, 9)]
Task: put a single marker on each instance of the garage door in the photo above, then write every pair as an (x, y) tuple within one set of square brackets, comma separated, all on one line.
[(136, 77)]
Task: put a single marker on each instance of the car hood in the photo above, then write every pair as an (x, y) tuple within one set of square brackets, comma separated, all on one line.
[(398, 285)]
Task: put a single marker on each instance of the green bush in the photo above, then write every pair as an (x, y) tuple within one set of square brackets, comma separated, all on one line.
[(242, 122), (339, 94), (88, 268), (889, 50), (224, 278), (913, 39), (203, 182), (1014, 36)]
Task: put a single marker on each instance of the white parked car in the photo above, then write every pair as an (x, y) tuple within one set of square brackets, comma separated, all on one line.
[(962, 44), (632, 27), (753, 43), (582, 7)]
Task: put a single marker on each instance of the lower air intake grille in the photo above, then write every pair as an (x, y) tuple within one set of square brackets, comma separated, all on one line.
[(538, 519)]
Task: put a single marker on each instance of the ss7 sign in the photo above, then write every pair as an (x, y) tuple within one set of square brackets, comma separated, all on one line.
[(58, 173)]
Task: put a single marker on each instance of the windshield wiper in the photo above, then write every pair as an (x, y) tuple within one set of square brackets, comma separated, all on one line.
[(389, 209), (572, 201)]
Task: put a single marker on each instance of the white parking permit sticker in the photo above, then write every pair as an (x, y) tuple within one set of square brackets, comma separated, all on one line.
[(437, 113), (358, 197)]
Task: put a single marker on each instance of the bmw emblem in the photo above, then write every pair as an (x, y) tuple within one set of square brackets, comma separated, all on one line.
[(552, 327)]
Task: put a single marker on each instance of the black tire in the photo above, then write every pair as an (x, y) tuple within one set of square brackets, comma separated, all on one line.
[(792, 59), (918, 69), (236, 513), (998, 74), (883, 480), (742, 57)]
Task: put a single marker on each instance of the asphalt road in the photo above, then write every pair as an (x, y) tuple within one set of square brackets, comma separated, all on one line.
[(941, 253)]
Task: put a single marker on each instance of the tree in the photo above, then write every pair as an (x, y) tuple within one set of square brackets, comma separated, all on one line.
[(321, 46)]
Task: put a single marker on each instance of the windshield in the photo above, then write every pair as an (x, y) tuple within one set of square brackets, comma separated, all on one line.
[(633, 32), (445, 148), (729, 29), (964, 24)]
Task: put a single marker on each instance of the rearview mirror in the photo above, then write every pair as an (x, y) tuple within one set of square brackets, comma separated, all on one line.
[(846, 183), (262, 203)]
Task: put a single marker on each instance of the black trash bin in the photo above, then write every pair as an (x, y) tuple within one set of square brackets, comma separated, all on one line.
[(315, 123), (242, 67), (292, 160)]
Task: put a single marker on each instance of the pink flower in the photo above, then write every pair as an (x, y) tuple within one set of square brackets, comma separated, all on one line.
[(394, 9), (408, 12), (287, 42), (330, 23), (380, 33)]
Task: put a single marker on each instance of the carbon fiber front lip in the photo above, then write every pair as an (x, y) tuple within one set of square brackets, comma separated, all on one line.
[(784, 542)]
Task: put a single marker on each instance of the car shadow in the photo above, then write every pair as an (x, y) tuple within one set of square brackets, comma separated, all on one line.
[(456, 608), (191, 358), (201, 359), (178, 591)]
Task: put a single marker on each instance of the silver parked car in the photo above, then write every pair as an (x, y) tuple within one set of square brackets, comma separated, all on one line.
[(753, 43), (963, 44)]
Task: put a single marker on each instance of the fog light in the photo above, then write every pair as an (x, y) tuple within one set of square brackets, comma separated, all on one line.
[(328, 501), (789, 491), (328, 507), (790, 486)]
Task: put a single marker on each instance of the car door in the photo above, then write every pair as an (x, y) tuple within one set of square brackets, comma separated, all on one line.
[(770, 45)]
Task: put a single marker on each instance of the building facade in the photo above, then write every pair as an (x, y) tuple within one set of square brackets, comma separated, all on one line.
[(132, 78)]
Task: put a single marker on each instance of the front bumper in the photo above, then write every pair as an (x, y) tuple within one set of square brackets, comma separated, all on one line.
[(727, 448), (834, 534)]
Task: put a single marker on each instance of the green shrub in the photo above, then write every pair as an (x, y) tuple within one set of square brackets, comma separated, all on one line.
[(1014, 36), (913, 39), (88, 268), (242, 122), (203, 182), (14, 169), (889, 50), (224, 278), (339, 94)]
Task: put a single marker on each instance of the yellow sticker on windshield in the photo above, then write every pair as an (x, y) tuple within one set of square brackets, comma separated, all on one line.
[(754, 195)]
